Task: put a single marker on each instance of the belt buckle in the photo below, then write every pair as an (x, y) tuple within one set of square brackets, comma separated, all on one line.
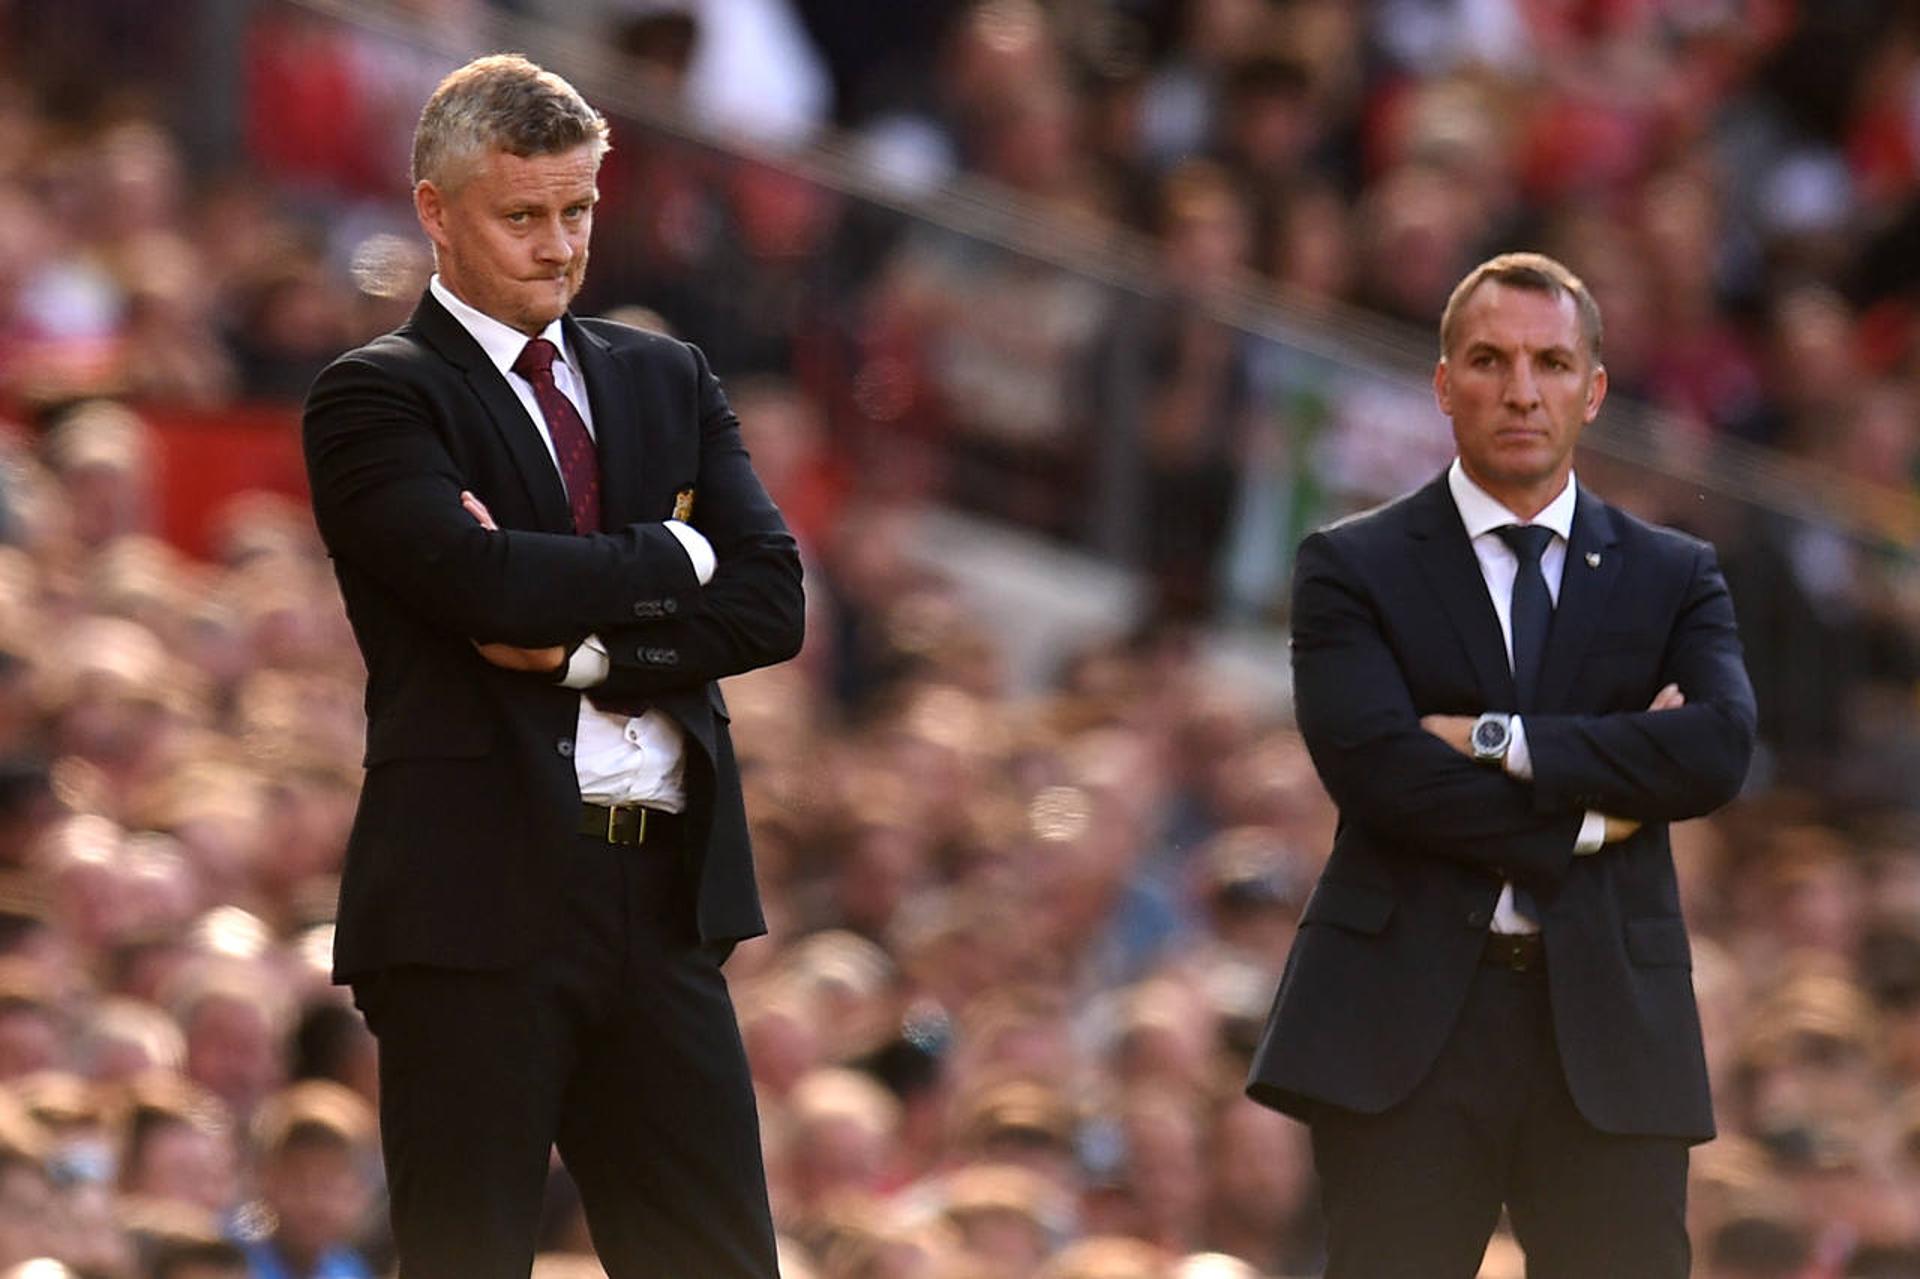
[(614, 812)]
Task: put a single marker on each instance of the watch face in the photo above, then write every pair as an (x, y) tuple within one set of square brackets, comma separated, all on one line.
[(1490, 736)]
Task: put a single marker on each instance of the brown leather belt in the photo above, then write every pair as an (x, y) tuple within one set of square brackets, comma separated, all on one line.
[(1520, 952), (630, 824)]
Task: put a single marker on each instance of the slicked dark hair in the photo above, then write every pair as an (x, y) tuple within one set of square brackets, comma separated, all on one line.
[(500, 102), (1535, 272)]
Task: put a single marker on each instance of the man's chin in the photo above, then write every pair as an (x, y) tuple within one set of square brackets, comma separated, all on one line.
[(535, 319), (550, 304)]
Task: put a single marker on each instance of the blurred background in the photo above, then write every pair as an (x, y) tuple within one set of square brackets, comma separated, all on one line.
[(1052, 326)]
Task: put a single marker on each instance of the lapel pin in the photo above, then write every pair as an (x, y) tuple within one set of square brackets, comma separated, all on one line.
[(1593, 559), (683, 505)]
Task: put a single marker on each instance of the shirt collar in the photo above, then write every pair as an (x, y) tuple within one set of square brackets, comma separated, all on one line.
[(502, 342), (1482, 512)]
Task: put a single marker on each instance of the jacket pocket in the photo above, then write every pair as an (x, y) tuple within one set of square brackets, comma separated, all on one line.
[(1659, 943), (1357, 907)]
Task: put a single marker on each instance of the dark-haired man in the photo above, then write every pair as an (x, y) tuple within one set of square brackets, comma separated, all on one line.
[(1509, 688), (551, 544)]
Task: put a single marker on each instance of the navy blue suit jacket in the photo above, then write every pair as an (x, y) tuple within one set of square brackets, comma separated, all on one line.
[(1392, 621)]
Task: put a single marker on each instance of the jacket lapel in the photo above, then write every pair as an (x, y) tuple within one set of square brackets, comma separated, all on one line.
[(615, 425), (1447, 562), (1586, 583), (508, 416)]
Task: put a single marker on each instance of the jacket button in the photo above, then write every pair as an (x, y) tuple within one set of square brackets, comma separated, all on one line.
[(643, 608), (564, 746), (671, 606), (1477, 918)]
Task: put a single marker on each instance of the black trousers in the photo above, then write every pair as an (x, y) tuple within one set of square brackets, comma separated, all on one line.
[(1415, 1192), (620, 1047)]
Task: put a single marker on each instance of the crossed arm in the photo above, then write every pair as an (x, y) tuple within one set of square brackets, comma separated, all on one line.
[(1409, 781), (1457, 732), (388, 498), (510, 657)]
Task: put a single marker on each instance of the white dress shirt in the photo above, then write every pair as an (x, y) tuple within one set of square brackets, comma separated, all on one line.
[(1482, 514), (618, 759)]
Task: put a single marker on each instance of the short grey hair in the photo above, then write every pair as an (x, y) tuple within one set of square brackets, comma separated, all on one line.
[(500, 102), (1535, 272)]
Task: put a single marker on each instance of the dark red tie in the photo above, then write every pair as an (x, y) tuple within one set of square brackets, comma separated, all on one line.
[(579, 463)]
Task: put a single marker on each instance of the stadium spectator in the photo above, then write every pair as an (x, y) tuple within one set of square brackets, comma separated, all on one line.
[(178, 1147), (315, 1145)]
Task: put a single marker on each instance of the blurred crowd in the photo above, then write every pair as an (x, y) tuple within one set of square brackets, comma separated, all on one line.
[(1023, 939)]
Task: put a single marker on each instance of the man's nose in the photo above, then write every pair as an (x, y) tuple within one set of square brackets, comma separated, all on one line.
[(1523, 391), (552, 244)]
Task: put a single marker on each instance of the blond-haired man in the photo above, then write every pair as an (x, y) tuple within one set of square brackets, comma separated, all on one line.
[(551, 544)]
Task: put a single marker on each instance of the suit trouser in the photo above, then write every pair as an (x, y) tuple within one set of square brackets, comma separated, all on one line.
[(620, 1046), (1415, 1192)]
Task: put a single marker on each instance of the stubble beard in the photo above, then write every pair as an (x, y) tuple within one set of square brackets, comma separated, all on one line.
[(574, 279)]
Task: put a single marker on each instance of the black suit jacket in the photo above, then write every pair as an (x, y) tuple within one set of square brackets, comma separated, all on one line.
[(470, 793), (1392, 621)]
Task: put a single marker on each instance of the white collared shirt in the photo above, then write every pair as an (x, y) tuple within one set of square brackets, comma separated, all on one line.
[(1482, 514), (618, 759), (503, 344)]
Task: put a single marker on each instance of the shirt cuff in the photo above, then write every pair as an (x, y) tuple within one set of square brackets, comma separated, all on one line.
[(1593, 833), (699, 550), (1519, 760), (589, 666)]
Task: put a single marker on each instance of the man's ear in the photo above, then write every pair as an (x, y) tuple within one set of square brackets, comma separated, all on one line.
[(1596, 392), (430, 206), (1440, 393)]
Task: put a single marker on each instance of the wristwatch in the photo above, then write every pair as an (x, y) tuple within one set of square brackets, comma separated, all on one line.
[(1492, 734)]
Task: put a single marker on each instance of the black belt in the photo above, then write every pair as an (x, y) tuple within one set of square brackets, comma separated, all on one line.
[(1521, 952), (630, 824)]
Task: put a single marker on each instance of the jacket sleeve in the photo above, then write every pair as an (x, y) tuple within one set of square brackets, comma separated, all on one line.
[(1385, 772), (752, 612), (1661, 766), (386, 496)]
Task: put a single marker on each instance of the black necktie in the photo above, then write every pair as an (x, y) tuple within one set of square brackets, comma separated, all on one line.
[(1532, 610), (1532, 614)]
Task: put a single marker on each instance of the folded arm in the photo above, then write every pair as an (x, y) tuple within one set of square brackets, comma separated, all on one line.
[(1660, 765), (750, 611), (1599, 829), (387, 498), (1384, 770)]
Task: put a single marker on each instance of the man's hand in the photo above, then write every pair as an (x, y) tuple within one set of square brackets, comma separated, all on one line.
[(1668, 699), (478, 509), (1455, 730), (508, 657), (542, 661), (1619, 828)]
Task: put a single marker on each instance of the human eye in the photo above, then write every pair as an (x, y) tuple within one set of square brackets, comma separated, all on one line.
[(518, 217)]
